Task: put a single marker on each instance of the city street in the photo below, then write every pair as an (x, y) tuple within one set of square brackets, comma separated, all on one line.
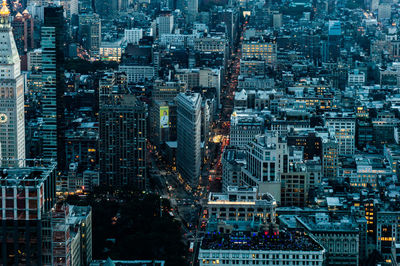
[(187, 204)]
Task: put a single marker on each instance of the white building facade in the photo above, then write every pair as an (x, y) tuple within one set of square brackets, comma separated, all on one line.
[(242, 204), (133, 35), (137, 74), (244, 127), (344, 126), (12, 119), (261, 257)]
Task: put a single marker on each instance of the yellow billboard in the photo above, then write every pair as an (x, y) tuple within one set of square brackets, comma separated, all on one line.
[(164, 117)]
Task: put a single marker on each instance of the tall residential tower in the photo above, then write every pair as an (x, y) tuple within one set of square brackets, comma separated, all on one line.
[(122, 146), (53, 85)]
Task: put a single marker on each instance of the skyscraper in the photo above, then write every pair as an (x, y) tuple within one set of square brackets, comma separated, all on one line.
[(193, 9), (26, 197), (23, 30), (90, 31), (70, 7), (334, 40), (12, 124), (188, 158), (165, 23), (53, 85), (122, 147)]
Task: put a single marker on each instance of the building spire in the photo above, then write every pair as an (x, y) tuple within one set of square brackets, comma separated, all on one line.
[(4, 11)]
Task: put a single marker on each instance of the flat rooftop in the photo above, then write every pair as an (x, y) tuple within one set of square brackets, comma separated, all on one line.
[(233, 154), (241, 196), (110, 262), (345, 224), (285, 241), (239, 118), (339, 115), (28, 173)]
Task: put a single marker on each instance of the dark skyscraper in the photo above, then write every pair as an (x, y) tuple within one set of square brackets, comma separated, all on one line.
[(53, 85), (122, 148), (90, 31), (334, 40)]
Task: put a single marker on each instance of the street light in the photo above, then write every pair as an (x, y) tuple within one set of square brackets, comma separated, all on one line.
[(160, 206)]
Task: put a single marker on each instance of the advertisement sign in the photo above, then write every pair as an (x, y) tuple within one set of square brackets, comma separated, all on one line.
[(164, 116)]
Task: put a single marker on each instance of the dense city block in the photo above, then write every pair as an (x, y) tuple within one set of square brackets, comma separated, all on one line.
[(199, 132)]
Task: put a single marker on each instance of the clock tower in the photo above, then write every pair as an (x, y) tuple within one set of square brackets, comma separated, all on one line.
[(12, 121)]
